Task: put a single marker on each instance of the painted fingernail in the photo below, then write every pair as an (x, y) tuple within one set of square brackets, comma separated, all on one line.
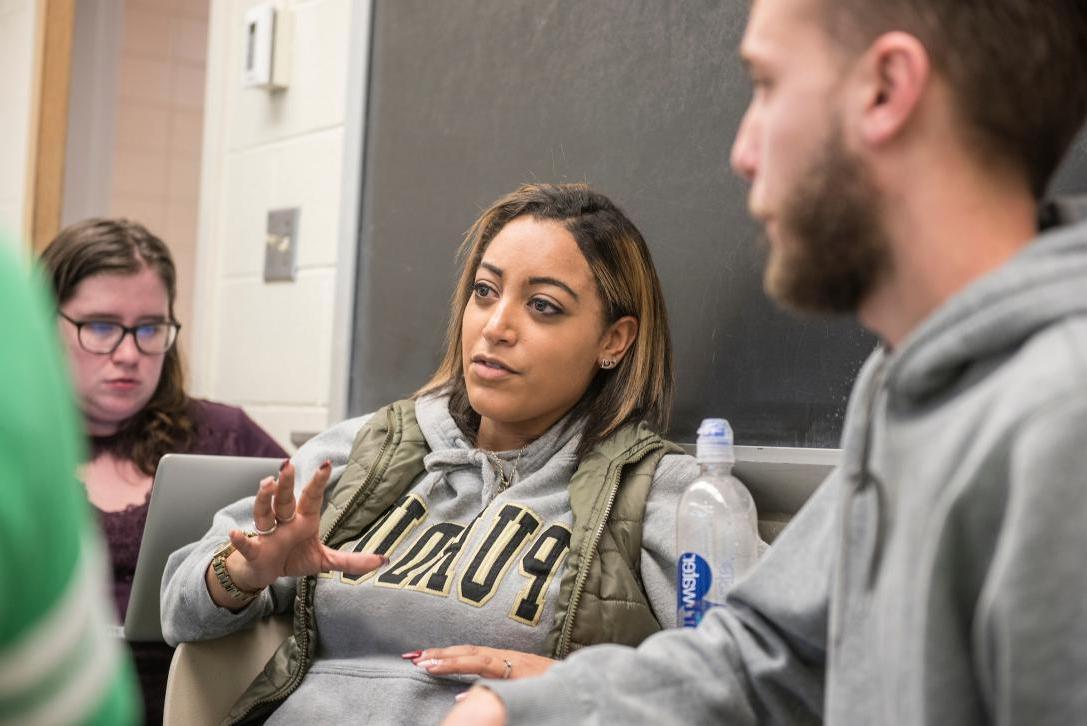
[(284, 464), (384, 560), (411, 655), (327, 465), (460, 696)]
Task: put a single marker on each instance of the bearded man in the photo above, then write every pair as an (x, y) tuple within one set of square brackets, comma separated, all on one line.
[(896, 151)]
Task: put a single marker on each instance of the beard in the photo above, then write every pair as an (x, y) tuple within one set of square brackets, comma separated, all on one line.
[(831, 248)]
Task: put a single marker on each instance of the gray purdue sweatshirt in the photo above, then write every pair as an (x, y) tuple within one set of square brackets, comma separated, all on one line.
[(365, 623), (937, 578)]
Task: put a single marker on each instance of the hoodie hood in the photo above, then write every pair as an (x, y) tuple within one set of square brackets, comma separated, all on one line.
[(451, 448), (1043, 283)]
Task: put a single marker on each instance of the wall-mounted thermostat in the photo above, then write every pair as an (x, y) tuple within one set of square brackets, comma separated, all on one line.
[(266, 61)]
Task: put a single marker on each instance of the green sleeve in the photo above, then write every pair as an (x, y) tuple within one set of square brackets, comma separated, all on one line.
[(58, 661)]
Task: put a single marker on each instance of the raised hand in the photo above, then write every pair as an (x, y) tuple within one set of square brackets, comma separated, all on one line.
[(285, 541)]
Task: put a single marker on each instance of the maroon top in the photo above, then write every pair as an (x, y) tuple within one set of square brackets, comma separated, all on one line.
[(220, 430)]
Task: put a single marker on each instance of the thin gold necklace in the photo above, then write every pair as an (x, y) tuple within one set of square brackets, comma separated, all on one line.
[(504, 481)]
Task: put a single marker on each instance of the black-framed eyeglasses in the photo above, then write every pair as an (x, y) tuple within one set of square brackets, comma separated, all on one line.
[(102, 337)]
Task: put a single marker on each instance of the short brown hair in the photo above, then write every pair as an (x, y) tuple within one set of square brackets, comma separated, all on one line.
[(641, 387), (118, 246), (1017, 68)]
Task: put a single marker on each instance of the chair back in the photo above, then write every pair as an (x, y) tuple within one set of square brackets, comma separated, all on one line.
[(207, 677)]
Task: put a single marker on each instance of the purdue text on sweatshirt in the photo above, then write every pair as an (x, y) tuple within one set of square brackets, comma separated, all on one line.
[(365, 622)]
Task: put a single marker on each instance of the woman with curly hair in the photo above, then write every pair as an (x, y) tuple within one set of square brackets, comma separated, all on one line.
[(115, 284)]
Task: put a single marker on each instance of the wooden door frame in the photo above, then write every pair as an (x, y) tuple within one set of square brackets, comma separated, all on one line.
[(49, 120)]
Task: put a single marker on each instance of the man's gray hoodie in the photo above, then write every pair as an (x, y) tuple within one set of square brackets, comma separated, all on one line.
[(937, 577)]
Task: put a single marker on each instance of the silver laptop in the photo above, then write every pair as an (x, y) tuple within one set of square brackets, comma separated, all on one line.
[(188, 490)]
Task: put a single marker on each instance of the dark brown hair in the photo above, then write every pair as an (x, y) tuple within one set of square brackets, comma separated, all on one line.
[(118, 246), (1017, 68), (640, 387)]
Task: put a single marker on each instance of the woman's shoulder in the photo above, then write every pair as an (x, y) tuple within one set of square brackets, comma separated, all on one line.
[(338, 436), (333, 444), (203, 409), (226, 429), (219, 416), (675, 471)]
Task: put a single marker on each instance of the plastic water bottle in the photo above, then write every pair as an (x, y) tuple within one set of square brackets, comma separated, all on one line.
[(716, 530)]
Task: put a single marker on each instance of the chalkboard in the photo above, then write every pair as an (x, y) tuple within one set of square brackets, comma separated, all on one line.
[(639, 98)]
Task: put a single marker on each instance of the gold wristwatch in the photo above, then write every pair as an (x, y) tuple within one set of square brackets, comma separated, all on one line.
[(218, 566)]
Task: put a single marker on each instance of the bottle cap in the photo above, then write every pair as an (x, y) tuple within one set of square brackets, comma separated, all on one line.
[(715, 442)]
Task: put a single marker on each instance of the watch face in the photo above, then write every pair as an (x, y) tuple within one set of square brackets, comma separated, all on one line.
[(218, 565), (224, 550)]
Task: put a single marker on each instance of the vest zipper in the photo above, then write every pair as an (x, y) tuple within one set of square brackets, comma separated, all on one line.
[(583, 571), (376, 472)]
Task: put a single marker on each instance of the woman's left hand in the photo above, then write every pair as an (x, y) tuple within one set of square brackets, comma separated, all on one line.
[(485, 662)]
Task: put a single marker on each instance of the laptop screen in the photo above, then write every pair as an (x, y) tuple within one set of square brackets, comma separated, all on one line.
[(188, 491)]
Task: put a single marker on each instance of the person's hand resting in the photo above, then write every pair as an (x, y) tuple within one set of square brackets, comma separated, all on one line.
[(478, 660), (288, 543), (477, 707)]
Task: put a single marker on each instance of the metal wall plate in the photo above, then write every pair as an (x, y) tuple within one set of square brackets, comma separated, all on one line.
[(281, 245)]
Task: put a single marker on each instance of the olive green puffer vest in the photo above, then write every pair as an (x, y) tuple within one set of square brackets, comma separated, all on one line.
[(600, 600)]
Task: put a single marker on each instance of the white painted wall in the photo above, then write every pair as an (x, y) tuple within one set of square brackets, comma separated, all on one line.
[(270, 346), (18, 37)]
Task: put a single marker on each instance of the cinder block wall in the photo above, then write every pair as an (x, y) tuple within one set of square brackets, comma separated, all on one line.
[(268, 346)]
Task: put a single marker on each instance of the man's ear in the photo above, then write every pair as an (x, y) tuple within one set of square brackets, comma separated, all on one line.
[(897, 74), (618, 338)]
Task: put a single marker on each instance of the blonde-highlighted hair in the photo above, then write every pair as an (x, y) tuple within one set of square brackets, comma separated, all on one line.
[(640, 388)]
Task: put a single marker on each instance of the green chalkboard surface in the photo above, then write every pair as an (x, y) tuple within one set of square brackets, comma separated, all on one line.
[(640, 98)]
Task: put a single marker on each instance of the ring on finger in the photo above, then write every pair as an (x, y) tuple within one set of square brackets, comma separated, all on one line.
[(265, 532), (509, 668), (284, 520)]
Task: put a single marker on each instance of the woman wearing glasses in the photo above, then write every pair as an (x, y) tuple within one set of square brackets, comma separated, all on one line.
[(115, 285)]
